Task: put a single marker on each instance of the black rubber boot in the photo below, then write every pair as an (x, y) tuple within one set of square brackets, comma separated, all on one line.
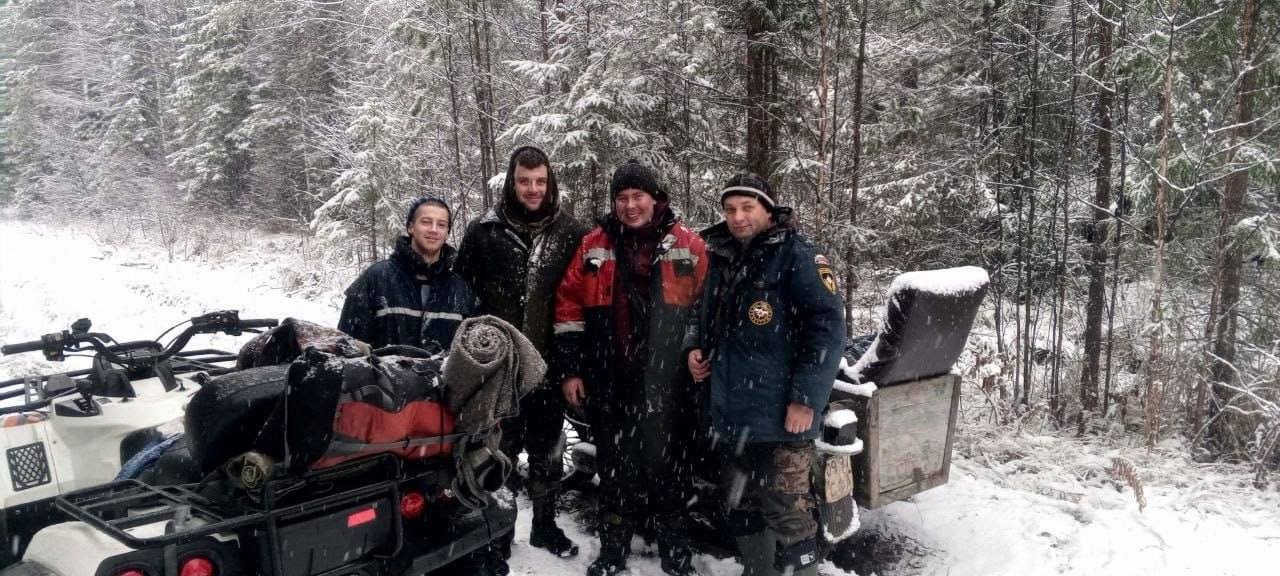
[(673, 545), (496, 562), (544, 533), (607, 567), (677, 560), (615, 545), (756, 553), (551, 538), (497, 566), (799, 559)]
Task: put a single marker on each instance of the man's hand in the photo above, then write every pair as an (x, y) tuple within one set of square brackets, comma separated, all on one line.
[(799, 418), (574, 391), (699, 367)]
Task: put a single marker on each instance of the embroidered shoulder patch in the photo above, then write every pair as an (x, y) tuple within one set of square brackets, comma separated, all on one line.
[(825, 274)]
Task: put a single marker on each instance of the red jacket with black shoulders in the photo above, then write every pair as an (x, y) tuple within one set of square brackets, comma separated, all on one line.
[(586, 335)]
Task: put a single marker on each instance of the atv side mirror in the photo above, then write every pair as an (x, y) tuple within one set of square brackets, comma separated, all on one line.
[(81, 326)]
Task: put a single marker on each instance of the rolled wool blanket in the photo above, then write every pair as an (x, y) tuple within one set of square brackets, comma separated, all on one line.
[(491, 366)]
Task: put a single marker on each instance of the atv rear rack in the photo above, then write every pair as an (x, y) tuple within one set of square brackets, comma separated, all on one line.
[(121, 509)]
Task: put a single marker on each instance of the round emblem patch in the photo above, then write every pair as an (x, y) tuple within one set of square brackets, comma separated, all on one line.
[(760, 313)]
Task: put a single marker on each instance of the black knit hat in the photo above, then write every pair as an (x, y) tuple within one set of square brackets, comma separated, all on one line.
[(434, 201), (749, 184), (633, 174)]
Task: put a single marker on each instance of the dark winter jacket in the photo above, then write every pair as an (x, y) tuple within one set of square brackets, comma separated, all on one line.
[(403, 300), (515, 267), (772, 321), (586, 332)]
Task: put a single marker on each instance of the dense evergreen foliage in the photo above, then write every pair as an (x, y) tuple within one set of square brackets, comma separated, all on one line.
[(1113, 163)]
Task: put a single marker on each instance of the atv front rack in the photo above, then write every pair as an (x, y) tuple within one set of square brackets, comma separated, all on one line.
[(38, 391)]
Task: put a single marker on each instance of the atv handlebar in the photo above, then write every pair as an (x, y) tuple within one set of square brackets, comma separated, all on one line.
[(259, 323), (21, 347), (54, 344)]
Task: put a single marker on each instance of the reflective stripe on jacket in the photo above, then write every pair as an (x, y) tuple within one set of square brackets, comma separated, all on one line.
[(584, 324), (405, 301)]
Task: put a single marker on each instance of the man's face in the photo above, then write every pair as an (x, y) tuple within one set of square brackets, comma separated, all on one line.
[(634, 207), (746, 217), (429, 229), (531, 186)]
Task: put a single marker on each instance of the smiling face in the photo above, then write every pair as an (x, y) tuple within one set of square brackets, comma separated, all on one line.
[(428, 231), (746, 217), (531, 186), (634, 207)]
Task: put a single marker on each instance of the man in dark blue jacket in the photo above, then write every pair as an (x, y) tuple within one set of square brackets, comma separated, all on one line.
[(768, 337), (413, 297)]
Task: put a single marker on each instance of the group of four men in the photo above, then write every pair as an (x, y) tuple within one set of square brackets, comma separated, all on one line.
[(655, 333)]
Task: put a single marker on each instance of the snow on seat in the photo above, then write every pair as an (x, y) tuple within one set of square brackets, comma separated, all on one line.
[(926, 323)]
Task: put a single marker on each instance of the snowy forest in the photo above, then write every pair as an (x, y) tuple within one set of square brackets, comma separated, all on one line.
[(1112, 163)]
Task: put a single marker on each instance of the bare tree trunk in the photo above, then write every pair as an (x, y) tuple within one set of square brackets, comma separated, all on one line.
[(1115, 263), (1154, 380), (761, 86), (687, 120), (1064, 204), (544, 41), (1029, 190), (455, 114), (158, 84), (993, 117), (597, 192), (1103, 220), (855, 178), (824, 64), (835, 108), (1227, 428), (373, 229), (480, 57)]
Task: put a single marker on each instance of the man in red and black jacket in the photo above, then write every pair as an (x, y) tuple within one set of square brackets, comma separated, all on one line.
[(620, 315)]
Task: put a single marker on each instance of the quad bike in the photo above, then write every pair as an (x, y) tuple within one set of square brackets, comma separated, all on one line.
[(63, 432), (259, 482), (890, 423)]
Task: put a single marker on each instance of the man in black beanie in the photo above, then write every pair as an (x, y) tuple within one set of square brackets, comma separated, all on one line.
[(514, 257), (767, 341), (620, 316)]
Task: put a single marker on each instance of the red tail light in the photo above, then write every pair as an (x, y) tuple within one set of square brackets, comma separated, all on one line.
[(197, 566), (131, 572), (412, 504)]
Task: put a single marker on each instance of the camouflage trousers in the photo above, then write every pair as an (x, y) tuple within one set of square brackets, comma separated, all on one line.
[(766, 485)]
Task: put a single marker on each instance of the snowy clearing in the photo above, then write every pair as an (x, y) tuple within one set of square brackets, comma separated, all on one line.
[(1017, 503)]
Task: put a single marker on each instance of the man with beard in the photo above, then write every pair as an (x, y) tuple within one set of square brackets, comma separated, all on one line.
[(620, 316), (413, 297), (768, 337), (514, 257)]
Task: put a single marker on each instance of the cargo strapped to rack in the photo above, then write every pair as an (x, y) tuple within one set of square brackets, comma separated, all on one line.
[(120, 507)]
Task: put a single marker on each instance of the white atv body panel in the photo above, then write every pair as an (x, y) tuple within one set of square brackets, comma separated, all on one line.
[(64, 453), (72, 549), (92, 546)]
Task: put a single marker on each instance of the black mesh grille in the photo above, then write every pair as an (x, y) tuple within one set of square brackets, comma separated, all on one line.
[(28, 466)]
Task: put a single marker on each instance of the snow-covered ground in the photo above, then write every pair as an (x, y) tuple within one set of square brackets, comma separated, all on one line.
[(1018, 502)]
